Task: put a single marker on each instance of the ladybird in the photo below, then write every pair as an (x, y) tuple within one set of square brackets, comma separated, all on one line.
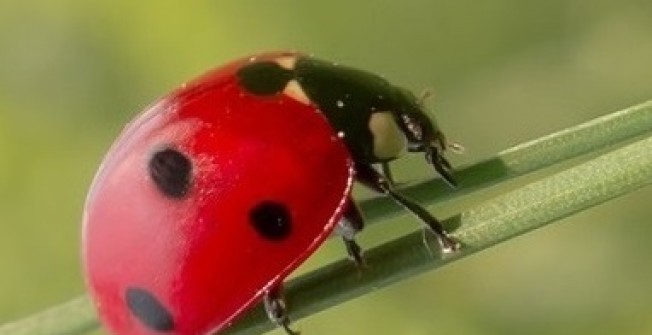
[(217, 191)]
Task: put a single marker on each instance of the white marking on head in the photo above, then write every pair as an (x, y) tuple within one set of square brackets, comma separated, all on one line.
[(287, 62), (293, 90), (389, 140)]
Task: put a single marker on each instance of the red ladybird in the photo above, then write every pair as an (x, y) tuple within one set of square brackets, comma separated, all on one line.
[(214, 194)]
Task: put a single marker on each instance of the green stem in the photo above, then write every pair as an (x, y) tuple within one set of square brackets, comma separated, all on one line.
[(506, 216)]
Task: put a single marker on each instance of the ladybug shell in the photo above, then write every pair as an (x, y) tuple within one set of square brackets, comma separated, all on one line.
[(189, 256)]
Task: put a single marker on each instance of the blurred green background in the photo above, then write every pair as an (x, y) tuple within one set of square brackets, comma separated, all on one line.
[(72, 72)]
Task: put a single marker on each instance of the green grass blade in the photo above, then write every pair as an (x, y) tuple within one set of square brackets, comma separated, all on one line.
[(74, 317), (514, 213)]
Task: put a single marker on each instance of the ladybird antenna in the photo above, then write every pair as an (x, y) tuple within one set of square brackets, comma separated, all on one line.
[(425, 95), (456, 147)]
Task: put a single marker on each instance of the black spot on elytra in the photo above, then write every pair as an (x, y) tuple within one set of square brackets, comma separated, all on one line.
[(171, 172), (144, 306), (264, 78), (271, 220)]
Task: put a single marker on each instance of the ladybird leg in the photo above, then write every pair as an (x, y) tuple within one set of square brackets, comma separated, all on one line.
[(368, 176), (441, 165), (387, 171), (352, 223), (432, 143), (276, 309)]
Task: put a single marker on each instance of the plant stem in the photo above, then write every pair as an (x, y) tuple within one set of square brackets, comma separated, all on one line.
[(506, 216)]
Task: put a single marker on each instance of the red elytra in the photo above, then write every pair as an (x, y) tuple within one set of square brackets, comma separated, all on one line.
[(194, 258)]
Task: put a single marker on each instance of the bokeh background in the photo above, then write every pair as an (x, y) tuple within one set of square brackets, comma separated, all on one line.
[(73, 72)]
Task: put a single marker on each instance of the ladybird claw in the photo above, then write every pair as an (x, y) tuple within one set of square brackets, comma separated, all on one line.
[(276, 309), (355, 253), (289, 330), (447, 244), (445, 174), (442, 166)]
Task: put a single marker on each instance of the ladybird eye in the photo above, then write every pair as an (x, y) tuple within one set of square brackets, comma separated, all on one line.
[(144, 306), (171, 171), (271, 220), (264, 78)]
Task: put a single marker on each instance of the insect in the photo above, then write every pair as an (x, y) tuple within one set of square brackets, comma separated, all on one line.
[(216, 192)]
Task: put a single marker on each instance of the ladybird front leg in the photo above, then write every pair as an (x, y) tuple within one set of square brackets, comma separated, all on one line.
[(368, 176), (352, 223), (276, 309), (441, 165), (424, 138)]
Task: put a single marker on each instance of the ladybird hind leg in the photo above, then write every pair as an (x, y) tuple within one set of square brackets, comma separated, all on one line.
[(371, 178), (387, 172), (276, 309), (351, 223)]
